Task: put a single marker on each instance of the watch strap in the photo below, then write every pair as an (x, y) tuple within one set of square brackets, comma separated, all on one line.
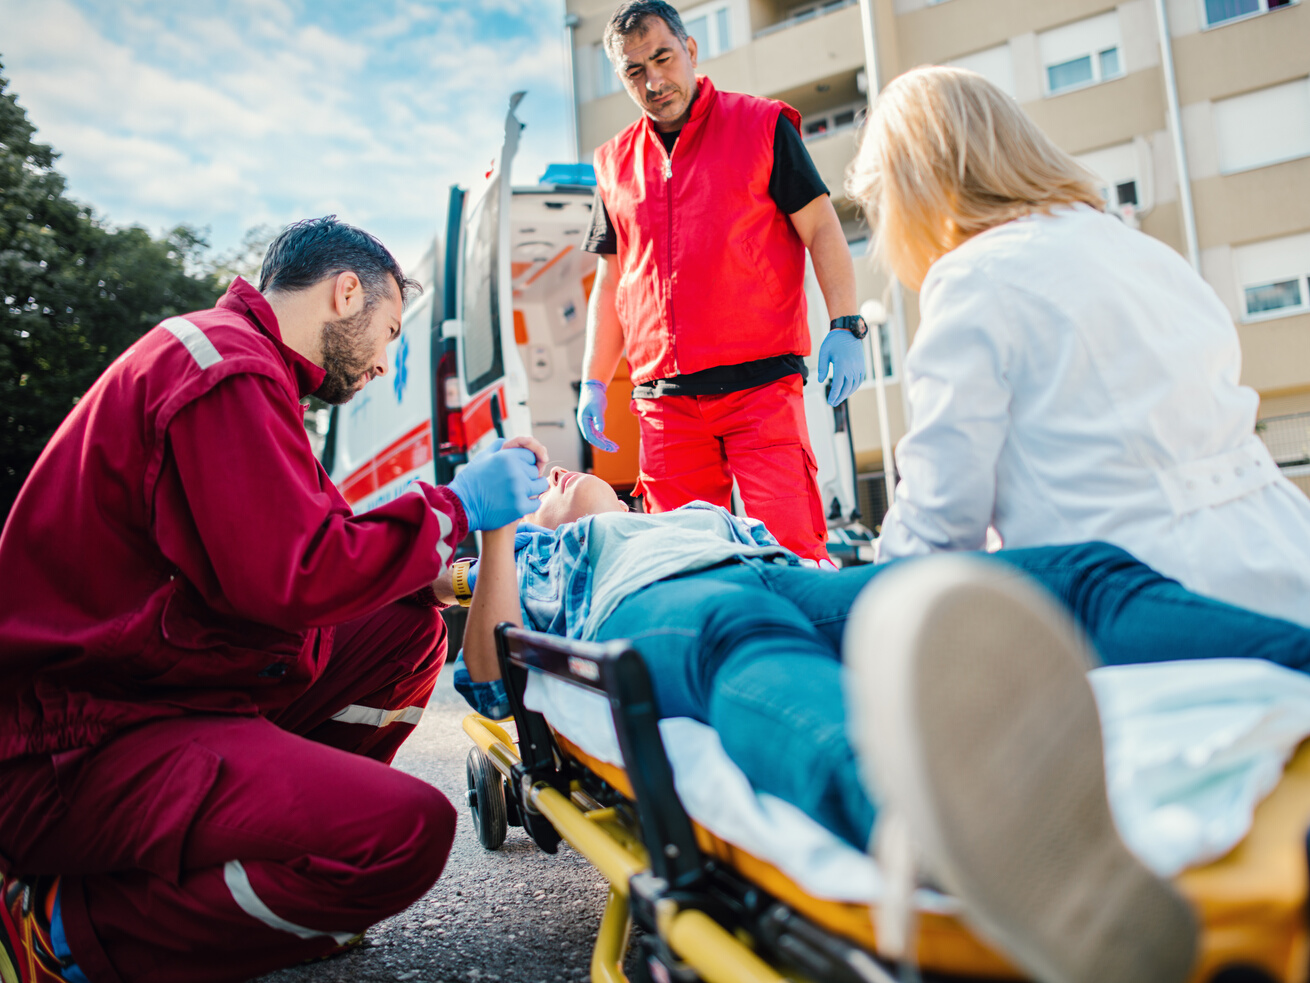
[(854, 323), (459, 580)]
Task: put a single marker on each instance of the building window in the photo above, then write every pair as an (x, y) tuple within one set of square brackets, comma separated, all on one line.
[(1273, 277), (996, 65), (885, 343), (711, 26), (1222, 11), (888, 363), (1263, 127), (1116, 170), (607, 81), (1083, 53), (1285, 295), (833, 120)]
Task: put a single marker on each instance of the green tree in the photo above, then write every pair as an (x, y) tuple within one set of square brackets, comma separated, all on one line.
[(75, 293), (245, 260)]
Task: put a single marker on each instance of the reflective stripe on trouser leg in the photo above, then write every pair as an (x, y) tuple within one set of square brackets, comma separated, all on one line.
[(377, 717), (243, 893)]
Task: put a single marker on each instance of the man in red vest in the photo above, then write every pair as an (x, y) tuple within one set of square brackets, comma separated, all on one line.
[(207, 662), (704, 209)]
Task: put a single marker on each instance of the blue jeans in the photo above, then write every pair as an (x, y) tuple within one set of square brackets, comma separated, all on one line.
[(754, 650)]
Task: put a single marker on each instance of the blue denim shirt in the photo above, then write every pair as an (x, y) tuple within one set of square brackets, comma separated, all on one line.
[(488, 698), (573, 577)]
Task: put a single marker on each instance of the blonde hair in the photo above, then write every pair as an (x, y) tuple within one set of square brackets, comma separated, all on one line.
[(947, 155)]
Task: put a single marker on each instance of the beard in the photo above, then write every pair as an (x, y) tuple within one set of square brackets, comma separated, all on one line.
[(347, 355)]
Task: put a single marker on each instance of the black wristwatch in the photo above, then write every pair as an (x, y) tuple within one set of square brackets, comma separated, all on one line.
[(851, 322)]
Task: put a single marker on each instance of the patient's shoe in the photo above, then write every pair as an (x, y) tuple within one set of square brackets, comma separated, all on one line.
[(976, 724), (27, 946)]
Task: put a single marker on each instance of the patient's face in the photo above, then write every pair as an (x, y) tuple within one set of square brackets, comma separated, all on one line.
[(571, 496)]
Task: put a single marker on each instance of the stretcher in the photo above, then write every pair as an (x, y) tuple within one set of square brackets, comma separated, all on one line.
[(710, 910)]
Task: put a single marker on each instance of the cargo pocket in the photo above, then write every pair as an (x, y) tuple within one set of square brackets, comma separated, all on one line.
[(217, 650), (185, 779)]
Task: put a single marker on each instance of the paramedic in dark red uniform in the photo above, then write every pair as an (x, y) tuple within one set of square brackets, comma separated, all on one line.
[(704, 209), (207, 662)]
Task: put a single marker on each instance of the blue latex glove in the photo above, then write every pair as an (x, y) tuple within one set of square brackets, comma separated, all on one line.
[(499, 486), (591, 416), (843, 352)]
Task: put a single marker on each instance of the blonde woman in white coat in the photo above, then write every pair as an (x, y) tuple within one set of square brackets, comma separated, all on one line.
[(1071, 379)]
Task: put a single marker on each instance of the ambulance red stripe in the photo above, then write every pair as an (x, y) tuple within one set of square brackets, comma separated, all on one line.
[(411, 451)]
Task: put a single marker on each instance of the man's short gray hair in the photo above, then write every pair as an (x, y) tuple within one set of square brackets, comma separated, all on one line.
[(630, 19)]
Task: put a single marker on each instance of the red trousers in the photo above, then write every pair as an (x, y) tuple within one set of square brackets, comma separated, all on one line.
[(693, 446), (210, 848)]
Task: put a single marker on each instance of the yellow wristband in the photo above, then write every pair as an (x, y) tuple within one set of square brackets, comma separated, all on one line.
[(459, 580)]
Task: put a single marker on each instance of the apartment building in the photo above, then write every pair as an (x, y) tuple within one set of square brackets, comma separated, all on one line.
[(1228, 186)]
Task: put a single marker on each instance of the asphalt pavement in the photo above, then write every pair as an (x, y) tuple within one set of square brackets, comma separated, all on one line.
[(515, 915)]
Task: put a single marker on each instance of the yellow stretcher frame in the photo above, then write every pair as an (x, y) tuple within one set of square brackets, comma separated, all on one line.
[(1251, 903), (716, 955)]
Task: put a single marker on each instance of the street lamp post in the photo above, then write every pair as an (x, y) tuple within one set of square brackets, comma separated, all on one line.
[(873, 86), (571, 21)]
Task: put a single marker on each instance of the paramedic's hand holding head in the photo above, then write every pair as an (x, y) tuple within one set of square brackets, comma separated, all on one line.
[(569, 496), (501, 484), (693, 200)]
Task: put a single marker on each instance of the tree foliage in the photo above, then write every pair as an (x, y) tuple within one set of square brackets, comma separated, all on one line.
[(245, 260), (74, 293)]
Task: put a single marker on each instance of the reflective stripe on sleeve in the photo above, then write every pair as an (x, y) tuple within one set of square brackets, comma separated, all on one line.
[(238, 882), (376, 717), (445, 525), (200, 347)]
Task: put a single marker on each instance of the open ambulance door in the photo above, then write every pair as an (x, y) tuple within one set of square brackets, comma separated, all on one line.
[(480, 384)]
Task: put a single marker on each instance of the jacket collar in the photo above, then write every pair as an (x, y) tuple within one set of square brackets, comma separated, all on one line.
[(706, 96), (245, 300)]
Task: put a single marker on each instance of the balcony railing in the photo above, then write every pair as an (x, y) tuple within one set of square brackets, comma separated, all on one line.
[(804, 12), (1288, 439)]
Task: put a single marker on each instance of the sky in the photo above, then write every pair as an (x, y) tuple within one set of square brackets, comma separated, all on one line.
[(229, 114)]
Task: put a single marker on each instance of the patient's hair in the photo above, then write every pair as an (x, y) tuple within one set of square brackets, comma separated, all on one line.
[(946, 155)]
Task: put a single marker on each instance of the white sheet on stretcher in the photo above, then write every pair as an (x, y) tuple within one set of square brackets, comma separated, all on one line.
[(1191, 748)]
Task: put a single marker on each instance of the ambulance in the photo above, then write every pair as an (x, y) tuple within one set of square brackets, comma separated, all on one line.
[(493, 347)]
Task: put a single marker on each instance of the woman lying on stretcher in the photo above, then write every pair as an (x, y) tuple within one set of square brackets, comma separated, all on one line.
[(963, 676)]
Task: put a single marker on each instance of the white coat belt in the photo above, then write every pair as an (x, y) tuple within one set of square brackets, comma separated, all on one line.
[(1219, 478)]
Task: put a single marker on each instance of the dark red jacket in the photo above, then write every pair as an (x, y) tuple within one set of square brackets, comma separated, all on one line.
[(177, 548), (711, 271)]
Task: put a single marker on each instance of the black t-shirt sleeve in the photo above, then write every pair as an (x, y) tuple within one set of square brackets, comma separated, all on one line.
[(600, 237), (795, 181)]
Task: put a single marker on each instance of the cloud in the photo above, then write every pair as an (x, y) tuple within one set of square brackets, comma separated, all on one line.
[(276, 109)]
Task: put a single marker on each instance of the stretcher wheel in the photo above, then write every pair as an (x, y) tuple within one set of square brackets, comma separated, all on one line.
[(486, 798)]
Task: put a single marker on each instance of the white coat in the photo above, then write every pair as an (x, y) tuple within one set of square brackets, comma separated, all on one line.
[(1074, 380)]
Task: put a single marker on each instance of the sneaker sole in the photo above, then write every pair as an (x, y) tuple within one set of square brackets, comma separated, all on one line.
[(974, 715)]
